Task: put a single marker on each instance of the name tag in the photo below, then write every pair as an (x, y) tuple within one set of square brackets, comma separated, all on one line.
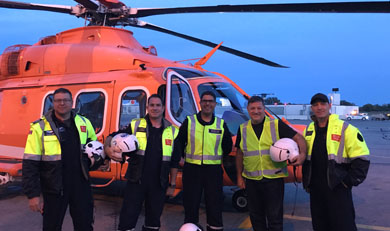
[(215, 131), (139, 129), (309, 133), (83, 128), (48, 133), (168, 142), (336, 137)]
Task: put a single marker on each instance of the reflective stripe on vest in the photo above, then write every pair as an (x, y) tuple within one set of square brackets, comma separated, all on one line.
[(198, 151), (335, 140), (257, 160), (168, 138)]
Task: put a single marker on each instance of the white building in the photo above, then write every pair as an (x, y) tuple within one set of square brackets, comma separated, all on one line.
[(303, 111)]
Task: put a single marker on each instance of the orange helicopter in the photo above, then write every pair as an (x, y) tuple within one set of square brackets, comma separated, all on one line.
[(111, 75)]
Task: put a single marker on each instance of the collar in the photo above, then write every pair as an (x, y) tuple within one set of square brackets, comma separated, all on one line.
[(165, 123), (201, 121)]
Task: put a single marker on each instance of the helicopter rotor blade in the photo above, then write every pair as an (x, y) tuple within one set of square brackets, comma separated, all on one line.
[(33, 6), (145, 25), (326, 7), (88, 4)]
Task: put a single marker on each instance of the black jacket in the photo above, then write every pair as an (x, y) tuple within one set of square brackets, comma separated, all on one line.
[(46, 176), (347, 174), (136, 166)]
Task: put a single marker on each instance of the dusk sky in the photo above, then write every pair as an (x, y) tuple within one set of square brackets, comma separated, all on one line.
[(324, 51)]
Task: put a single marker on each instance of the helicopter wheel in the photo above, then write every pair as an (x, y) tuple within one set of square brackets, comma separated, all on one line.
[(240, 200)]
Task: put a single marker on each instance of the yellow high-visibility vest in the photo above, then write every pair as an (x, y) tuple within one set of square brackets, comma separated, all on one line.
[(342, 141), (138, 128), (43, 144), (257, 161), (204, 143)]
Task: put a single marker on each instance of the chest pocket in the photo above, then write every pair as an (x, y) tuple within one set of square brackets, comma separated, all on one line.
[(51, 145)]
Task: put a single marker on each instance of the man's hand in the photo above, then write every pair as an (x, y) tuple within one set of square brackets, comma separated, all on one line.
[(240, 182), (35, 204), (171, 190), (298, 160), (110, 150), (105, 167)]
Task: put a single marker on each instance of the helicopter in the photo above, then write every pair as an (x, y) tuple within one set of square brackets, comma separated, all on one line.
[(110, 75)]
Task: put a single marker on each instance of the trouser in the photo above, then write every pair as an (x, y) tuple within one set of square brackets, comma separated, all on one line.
[(332, 209), (199, 178), (134, 196), (80, 201), (265, 203)]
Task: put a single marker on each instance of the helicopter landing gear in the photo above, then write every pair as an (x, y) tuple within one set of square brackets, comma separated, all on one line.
[(240, 200)]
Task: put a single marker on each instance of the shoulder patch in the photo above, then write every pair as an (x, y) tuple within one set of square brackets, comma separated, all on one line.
[(360, 137)]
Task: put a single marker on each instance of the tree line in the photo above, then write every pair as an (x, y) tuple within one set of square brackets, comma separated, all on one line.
[(368, 107)]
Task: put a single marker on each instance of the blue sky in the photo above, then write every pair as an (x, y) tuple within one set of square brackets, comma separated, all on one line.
[(324, 51)]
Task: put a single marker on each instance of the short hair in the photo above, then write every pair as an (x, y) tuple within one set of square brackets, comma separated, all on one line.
[(62, 90), (156, 96), (208, 93), (254, 99)]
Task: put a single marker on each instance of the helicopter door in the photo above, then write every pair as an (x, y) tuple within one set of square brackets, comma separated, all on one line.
[(179, 98)]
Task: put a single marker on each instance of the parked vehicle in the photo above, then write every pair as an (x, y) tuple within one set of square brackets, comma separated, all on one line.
[(379, 116), (361, 116)]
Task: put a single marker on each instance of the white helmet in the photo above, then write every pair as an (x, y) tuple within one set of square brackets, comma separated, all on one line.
[(284, 149), (95, 151), (189, 227), (124, 142)]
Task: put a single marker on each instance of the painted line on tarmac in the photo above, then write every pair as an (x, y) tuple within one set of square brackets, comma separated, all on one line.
[(246, 224)]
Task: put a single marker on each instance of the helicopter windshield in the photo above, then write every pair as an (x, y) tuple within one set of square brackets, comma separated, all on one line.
[(231, 104)]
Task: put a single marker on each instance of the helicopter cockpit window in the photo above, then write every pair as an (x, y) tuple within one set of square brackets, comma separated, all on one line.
[(133, 105), (48, 103), (231, 104), (181, 102), (91, 105), (192, 73)]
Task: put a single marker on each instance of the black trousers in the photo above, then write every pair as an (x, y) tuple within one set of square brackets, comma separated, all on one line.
[(80, 201), (265, 203), (332, 209), (199, 178), (135, 195)]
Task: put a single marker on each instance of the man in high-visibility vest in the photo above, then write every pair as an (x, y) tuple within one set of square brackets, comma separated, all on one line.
[(337, 160), (264, 182), (54, 166), (203, 139), (148, 167)]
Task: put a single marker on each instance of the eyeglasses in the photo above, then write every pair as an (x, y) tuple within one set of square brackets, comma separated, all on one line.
[(207, 101), (62, 100)]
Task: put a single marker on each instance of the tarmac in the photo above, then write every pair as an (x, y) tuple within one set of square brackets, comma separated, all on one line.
[(371, 198)]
